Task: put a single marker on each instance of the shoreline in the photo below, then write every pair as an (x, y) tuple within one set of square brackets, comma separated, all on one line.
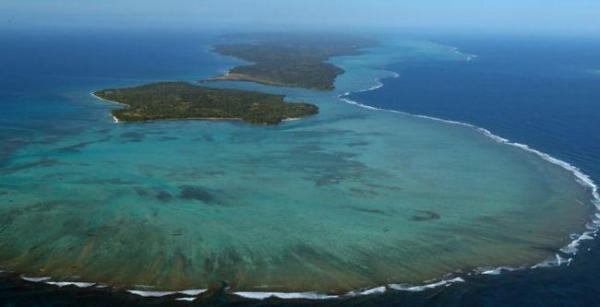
[(228, 76), (236, 77)]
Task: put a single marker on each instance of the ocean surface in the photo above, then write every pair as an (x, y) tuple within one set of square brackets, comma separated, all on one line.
[(87, 201)]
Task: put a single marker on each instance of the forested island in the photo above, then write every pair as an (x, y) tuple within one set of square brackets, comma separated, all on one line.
[(298, 60), (181, 100), (292, 60)]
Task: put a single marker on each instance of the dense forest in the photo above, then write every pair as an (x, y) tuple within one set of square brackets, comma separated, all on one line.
[(181, 100), (299, 61)]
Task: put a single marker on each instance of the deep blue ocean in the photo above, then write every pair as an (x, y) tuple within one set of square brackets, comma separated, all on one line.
[(538, 91)]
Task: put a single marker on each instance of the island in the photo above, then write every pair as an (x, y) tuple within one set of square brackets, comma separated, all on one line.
[(293, 61), (182, 100)]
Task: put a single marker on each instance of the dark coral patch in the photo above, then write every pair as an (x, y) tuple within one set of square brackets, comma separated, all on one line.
[(197, 193), (424, 215), (156, 193), (133, 137)]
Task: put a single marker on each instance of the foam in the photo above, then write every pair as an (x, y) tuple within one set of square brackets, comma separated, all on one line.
[(106, 100), (496, 271), (412, 288), (376, 290), (68, 283), (145, 293), (308, 295), (551, 262), (35, 279), (372, 88), (192, 292), (149, 293), (370, 291), (285, 295), (116, 120), (186, 299)]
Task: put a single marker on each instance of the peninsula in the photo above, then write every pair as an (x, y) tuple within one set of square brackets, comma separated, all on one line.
[(294, 61), (181, 100)]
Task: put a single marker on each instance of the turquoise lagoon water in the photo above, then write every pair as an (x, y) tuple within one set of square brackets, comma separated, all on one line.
[(352, 198)]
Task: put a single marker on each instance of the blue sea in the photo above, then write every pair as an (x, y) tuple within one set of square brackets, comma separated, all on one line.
[(541, 92)]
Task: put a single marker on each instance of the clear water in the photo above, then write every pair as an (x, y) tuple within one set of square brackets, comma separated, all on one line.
[(352, 198)]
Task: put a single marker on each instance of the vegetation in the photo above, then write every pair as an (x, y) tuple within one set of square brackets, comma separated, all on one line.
[(181, 100), (291, 60)]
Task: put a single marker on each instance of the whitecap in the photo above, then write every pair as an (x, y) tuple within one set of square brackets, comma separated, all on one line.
[(35, 279), (151, 293), (496, 271), (69, 283), (413, 288), (284, 295), (192, 292), (186, 299), (376, 290)]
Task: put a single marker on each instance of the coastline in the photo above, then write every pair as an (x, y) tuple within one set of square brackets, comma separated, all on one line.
[(114, 118), (93, 94), (237, 77)]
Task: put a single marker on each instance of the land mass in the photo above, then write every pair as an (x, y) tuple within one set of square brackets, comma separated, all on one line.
[(294, 61), (181, 100)]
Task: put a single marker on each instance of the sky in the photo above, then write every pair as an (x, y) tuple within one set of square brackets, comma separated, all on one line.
[(518, 16)]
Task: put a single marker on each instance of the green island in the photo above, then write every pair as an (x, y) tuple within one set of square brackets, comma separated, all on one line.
[(181, 100), (293, 61)]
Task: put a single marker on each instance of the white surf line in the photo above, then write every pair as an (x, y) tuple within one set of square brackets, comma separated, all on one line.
[(61, 284), (115, 119), (186, 299), (376, 290), (145, 293), (34, 279), (497, 271), (285, 295), (308, 295), (411, 288), (370, 291), (191, 293), (105, 100)]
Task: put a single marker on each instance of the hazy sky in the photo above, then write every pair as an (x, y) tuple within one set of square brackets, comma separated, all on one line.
[(541, 16)]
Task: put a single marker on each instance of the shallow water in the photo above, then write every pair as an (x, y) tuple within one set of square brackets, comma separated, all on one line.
[(351, 198)]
